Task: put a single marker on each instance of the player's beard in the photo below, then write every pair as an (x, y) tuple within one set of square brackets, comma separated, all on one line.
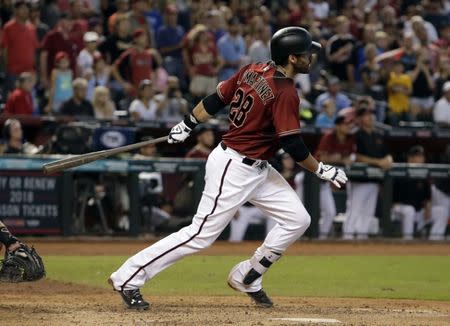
[(303, 65)]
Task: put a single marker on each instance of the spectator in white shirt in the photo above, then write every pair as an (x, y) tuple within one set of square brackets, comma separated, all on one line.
[(415, 22), (173, 106), (85, 60), (145, 107), (259, 50), (320, 9), (441, 111)]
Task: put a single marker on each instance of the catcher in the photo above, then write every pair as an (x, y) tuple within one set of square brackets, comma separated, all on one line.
[(21, 263)]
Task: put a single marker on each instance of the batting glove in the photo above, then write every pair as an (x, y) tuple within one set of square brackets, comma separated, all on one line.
[(332, 174), (180, 132)]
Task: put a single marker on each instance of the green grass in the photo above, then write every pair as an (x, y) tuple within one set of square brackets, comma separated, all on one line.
[(411, 277)]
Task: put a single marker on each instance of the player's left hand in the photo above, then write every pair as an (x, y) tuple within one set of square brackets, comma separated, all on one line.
[(179, 133), (332, 174)]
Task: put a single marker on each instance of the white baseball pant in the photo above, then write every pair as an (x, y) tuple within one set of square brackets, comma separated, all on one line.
[(409, 216), (229, 183), (362, 201), (327, 210), (326, 203), (248, 215), (439, 198)]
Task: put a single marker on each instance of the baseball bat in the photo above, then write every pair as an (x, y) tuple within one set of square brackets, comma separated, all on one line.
[(81, 159)]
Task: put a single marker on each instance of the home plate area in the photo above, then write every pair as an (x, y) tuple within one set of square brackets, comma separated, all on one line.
[(69, 304)]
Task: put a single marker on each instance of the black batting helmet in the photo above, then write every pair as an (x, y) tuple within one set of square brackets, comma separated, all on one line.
[(291, 40)]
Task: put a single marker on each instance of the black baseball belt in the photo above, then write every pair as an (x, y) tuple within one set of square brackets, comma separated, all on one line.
[(245, 160)]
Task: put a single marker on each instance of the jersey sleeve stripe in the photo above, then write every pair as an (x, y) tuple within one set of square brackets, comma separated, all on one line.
[(219, 92), (288, 132)]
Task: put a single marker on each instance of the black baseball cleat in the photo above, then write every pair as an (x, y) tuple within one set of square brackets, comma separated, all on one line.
[(132, 298), (261, 299)]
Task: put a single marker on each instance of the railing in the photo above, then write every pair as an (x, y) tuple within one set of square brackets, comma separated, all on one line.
[(362, 172), (32, 202)]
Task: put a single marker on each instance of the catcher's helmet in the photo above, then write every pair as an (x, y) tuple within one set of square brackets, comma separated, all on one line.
[(291, 40)]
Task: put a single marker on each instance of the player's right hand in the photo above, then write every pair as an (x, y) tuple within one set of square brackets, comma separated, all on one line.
[(332, 174), (179, 133)]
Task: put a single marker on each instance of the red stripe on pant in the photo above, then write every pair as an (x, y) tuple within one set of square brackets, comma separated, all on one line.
[(191, 238)]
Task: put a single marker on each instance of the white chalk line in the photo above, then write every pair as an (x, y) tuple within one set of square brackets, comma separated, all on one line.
[(309, 320), (417, 312)]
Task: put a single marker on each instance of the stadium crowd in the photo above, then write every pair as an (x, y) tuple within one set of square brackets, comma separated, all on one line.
[(384, 61), (157, 58)]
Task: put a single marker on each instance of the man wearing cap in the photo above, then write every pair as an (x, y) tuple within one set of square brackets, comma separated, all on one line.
[(57, 40), (20, 100), (413, 205), (169, 38), (205, 143), (85, 61), (363, 194), (19, 44), (336, 147), (441, 112), (137, 63)]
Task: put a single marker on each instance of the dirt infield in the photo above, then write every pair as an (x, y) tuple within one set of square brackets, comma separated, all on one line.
[(50, 302), (54, 303)]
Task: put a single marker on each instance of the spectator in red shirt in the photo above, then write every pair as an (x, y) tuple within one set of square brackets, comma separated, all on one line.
[(80, 25), (81, 7), (19, 44), (20, 100), (136, 64), (443, 43), (203, 64), (57, 40), (205, 143)]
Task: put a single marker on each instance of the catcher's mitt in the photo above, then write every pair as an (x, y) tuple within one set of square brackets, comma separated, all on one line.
[(22, 265)]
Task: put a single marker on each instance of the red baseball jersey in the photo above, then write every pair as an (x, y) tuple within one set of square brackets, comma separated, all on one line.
[(196, 153), (264, 106), (136, 65), (331, 145)]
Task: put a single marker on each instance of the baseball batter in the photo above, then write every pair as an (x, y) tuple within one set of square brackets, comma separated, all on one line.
[(263, 117)]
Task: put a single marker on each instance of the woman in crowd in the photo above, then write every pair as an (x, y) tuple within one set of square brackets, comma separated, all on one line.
[(98, 76), (104, 107), (145, 107), (202, 61)]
